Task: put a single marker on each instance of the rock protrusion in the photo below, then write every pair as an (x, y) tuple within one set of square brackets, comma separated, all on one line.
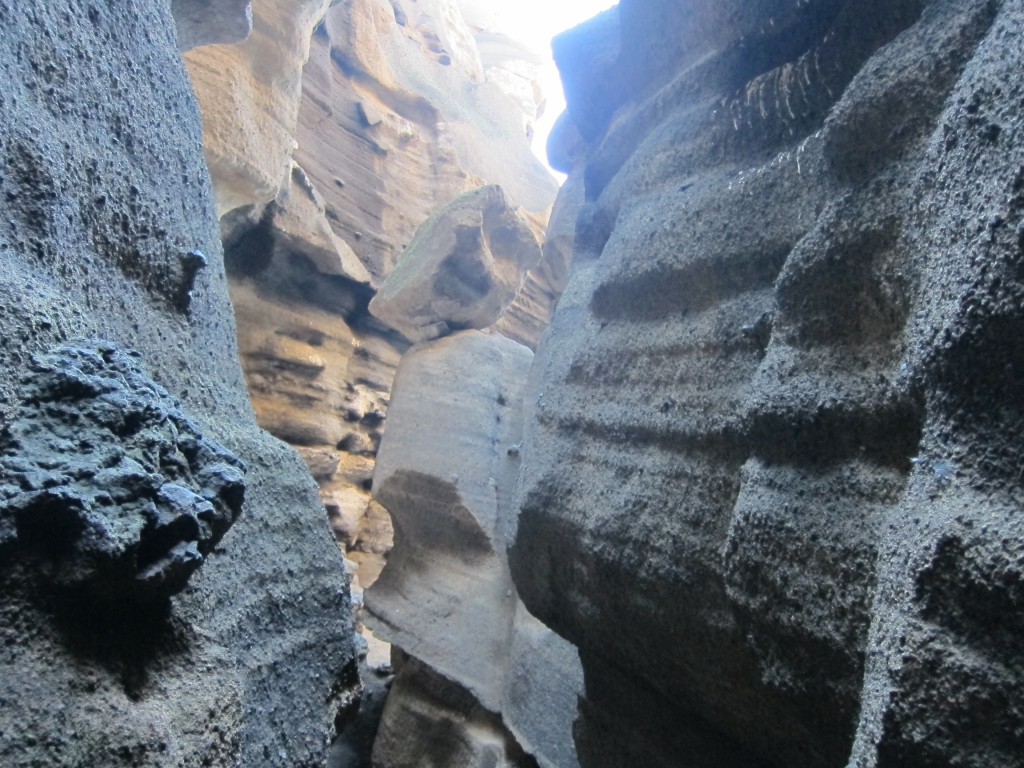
[(464, 267), (106, 483), (445, 471)]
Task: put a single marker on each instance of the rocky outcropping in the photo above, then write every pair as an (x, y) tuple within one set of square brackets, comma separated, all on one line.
[(465, 266), (109, 232), (485, 677), (106, 484), (780, 398)]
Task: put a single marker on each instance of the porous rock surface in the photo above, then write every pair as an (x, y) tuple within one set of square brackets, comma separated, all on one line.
[(109, 232), (107, 483), (771, 477), (485, 681)]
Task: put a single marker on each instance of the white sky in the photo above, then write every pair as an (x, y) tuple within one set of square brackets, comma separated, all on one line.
[(535, 22)]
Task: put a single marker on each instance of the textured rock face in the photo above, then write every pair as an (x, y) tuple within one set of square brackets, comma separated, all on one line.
[(107, 206), (780, 398), (405, 107), (463, 269), (107, 483), (402, 110), (483, 670), (249, 94)]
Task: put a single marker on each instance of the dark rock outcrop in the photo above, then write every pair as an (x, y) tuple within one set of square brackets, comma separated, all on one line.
[(772, 464), (107, 483), (107, 201)]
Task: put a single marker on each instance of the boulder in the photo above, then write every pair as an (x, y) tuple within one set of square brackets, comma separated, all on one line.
[(463, 268), (106, 481)]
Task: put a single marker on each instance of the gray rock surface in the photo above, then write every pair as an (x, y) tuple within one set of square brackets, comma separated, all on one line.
[(445, 471), (106, 202), (771, 464), (107, 483)]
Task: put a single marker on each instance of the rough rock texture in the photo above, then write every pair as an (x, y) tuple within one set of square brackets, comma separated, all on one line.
[(107, 203), (482, 667), (463, 269), (249, 94), (106, 484), (772, 464)]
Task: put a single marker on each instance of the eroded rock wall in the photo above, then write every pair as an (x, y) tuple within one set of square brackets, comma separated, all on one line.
[(109, 233), (486, 678), (323, 183), (771, 467)]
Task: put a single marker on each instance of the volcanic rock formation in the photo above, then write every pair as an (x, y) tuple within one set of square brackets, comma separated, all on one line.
[(771, 480), (109, 233)]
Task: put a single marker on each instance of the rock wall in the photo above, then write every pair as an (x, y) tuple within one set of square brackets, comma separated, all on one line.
[(395, 200), (485, 678), (138, 629), (324, 181), (771, 472)]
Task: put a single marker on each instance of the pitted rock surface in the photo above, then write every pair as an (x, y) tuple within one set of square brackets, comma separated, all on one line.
[(771, 464), (107, 482)]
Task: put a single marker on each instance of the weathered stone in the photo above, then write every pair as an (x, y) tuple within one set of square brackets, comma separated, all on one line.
[(446, 596), (106, 201), (107, 482), (773, 436), (249, 95), (463, 268), (432, 722), (444, 129)]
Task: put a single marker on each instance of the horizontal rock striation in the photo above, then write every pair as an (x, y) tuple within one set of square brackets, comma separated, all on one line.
[(324, 183), (772, 450)]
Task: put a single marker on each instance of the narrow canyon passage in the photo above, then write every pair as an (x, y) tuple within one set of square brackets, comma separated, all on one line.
[(337, 431)]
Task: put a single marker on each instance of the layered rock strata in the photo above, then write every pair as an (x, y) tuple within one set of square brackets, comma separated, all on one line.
[(324, 183), (109, 232), (780, 398), (486, 682)]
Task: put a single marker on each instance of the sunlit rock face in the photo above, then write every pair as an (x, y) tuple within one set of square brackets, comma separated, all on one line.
[(249, 95), (324, 182), (463, 269), (772, 449), (122, 471)]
